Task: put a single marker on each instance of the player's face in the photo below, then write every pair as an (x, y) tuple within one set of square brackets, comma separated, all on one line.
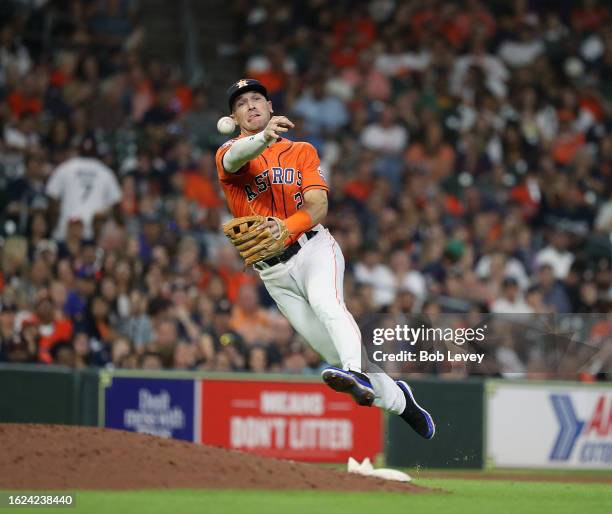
[(252, 111)]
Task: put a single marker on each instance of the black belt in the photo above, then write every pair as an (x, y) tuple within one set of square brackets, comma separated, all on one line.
[(289, 252)]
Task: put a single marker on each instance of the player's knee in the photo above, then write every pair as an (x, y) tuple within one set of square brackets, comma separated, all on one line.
[(327, 311)]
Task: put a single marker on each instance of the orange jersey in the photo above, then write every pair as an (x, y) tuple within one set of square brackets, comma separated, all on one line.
[(274, 183)]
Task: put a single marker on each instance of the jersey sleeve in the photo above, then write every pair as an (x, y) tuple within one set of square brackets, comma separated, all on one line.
[(113, 193), (312, 176), (55, 185), (224, 176)]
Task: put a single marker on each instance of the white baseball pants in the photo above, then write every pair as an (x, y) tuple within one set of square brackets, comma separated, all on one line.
[(308, 290)]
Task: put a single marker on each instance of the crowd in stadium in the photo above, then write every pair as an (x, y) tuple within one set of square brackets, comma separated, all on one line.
[(468, 149)]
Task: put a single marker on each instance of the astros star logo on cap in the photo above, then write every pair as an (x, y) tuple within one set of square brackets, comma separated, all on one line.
[(242, 83)]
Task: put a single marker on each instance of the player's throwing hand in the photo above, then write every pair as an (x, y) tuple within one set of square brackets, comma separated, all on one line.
[(277, 126), (274, 225)]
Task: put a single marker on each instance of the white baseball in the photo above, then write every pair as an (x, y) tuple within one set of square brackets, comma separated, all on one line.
[(226, 125)]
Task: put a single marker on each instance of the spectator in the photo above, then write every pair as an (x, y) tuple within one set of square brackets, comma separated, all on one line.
[(373, 272), (162, 111), (322, 113), (406, 278), (282, 336), (166, 339), (83, 187), (511, 365), (151, 361), (225, 338), (295, 362), (76, 301), (510, 301), (63, 354), (200, 185), (54, 329), (7, 329), (524, 50), (554, 293), (201, 122), (432, 156), (386, 136), (185, 356), (82, 350), (27, 193), (477, 67), (249, 319), (137, 327), (556, 254), (257, 361), (535, 300)]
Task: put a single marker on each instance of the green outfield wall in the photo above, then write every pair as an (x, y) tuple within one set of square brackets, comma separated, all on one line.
[(38, 395), (458, 408), (48, 394)]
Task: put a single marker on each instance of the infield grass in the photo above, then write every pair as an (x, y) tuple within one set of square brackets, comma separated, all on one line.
[(457, 497)]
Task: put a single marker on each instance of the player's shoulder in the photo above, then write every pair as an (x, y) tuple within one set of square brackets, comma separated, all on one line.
[(304, 145), (66, 167), (91, 163), (304, 148)]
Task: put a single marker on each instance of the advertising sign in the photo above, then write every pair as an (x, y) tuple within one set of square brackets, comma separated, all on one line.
[(290, 420), (162, 407), (548, 425)]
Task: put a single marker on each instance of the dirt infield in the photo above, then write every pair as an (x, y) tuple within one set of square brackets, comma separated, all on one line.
[(61, 457)]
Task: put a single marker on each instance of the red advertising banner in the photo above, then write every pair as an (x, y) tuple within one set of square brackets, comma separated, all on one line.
[(288, 420)]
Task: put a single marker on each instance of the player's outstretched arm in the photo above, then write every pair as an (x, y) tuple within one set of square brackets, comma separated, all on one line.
[(247, 148)]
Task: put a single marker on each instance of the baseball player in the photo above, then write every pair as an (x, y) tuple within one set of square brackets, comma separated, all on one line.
[(265, 174)]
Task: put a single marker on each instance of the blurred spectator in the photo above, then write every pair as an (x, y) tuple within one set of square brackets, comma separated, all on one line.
[(386, 136), (7, 330), (53, 328), (510, 300), (524, 48), (535, 300), (467, 146), (557, 255), (511, 365), (322, 113), (295, 361), (83, 187), (249, 318), (225, 339), (137, 327), (432, 156), (554, 293), (373, 272), (184, 356), (257, 361), (201, 122), (151, 360)]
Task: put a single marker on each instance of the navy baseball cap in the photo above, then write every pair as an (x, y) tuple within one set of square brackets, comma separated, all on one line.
[(242, 86)]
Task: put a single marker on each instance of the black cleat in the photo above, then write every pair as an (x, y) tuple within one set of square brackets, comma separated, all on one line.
[(356, 384), (416, 416)]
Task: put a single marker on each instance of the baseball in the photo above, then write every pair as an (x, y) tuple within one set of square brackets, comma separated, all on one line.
[(226, 125)]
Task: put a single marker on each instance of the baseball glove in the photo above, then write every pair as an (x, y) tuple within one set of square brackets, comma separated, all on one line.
[(254, 244)]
